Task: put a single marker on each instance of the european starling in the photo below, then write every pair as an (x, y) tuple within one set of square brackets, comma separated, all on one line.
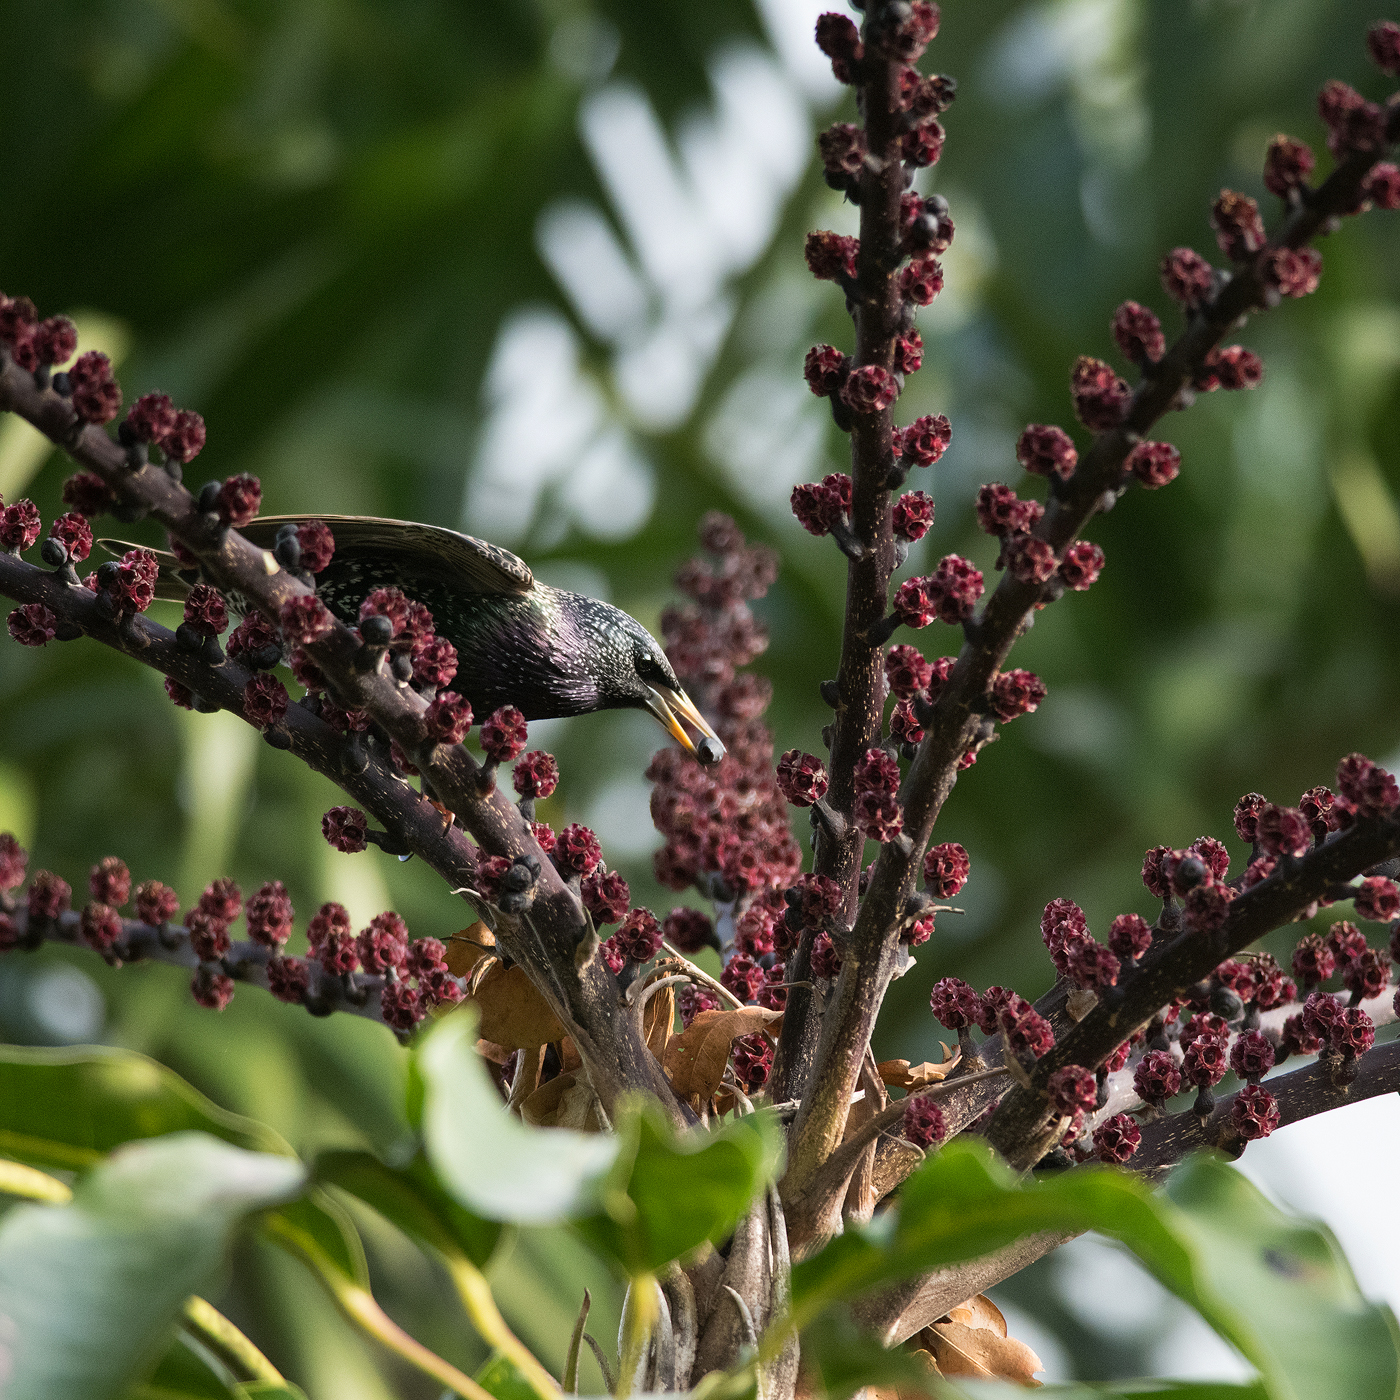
[(548, 652)]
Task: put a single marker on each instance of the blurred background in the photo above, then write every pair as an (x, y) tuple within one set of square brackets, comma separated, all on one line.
[(533, 269)]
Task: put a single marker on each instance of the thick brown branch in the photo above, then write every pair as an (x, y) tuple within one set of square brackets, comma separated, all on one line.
[(959, 715), (1179, 964), (876, 305), (1304, 1093), (546, 939)]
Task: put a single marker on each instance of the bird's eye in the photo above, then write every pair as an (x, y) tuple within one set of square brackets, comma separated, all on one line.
[(651, 670)]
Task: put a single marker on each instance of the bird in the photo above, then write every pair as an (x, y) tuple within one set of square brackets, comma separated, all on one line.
[(549, 652)]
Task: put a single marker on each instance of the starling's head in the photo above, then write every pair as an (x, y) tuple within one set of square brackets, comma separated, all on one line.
[(631, 671)]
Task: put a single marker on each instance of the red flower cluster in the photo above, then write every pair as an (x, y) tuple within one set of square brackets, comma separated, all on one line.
[(1288, 164), (729, 820), (1238, 228), (1047, 450), (950, 593), (922, 1123), (1100, 396), (1138, 333), (821, 506), (179, 433), (1001, 512)]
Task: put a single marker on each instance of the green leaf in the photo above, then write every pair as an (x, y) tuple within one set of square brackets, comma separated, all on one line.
[(91, 1288), (328, 1223), (1277, 1288), (844, 1358), (261, 1390), (670, 1191), (68, 1108), (503, 1378), (185, 1372), (1281, 1290), (964, 1203), (491, 1162), (410, 1198)]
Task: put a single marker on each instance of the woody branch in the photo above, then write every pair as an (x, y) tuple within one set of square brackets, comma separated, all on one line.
[(546, 937), (958, 715)]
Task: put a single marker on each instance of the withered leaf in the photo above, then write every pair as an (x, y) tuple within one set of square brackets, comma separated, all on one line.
[(659, 1021), (925, 1362), (979, 1312), (972, 1341), (497, 1054), (513, 1013), (696, 1058), (567, 1101), (467, 947), (902, 1075)]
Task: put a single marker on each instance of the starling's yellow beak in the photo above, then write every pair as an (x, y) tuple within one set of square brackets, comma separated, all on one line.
[(666, 704)]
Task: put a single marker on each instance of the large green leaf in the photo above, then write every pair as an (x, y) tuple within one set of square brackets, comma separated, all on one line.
[(67, 1108), (1277, 1288), (410, 1198), (1281, 1290), (670, 1191), (643, 1195), (491, 1162), (89, 1289), (964, 1203)]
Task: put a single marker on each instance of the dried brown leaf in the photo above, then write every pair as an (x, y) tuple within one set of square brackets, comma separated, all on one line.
[(972, 1341), (578, 1107), (923, 1359), (513, 1012), (467, 947), (659, 1021), (902, 1075), (567, 1101), (979, 1312), (497, 1054), (696, 1058)]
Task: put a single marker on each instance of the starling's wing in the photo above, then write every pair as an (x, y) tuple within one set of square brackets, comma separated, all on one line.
[(411, 551), (174, 580)]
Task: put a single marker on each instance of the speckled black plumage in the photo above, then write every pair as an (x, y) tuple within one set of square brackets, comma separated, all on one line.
[(548, 652)]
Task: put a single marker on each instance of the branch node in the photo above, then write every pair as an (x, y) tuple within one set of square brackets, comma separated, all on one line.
[(847, 543)]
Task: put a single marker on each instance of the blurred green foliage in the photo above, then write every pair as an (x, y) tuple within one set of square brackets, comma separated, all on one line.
[(320, 223)]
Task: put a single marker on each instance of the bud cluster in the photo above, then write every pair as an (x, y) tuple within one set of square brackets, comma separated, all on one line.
[(377, 973)]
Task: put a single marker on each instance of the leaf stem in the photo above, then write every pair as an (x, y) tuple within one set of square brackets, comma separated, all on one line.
[(575, 1344), (16, 1179), (217, 1333), (475, 1294), (639, 1314), (359, 1307)]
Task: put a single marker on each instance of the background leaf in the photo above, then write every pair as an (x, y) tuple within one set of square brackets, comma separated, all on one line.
[(89, 1289), (66, 1108), (670, 1191), (491, 1162), (1277, 1288), (411, 1199)]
